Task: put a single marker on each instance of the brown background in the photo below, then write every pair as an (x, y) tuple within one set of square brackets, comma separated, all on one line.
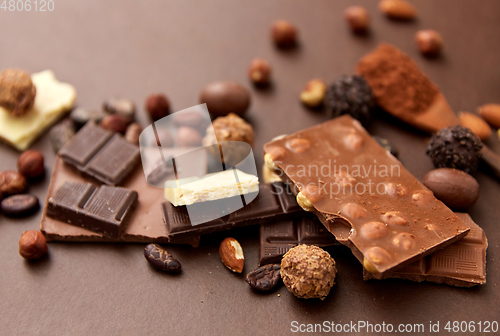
[(133, 48)]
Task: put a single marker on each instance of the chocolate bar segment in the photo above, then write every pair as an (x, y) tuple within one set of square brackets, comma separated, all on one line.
[(274, 202), (462, 264), (102, 209), (344, 173), (101, 154), (277, 237)]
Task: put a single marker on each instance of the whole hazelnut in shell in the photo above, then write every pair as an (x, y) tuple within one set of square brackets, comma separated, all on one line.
[(32, 245), (31, 164), (308, 272)]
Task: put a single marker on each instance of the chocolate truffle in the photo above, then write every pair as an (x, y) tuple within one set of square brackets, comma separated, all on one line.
[(17, 92)]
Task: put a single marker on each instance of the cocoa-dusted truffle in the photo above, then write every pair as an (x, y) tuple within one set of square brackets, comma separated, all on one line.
[(228, 129), (455, 147), (308, 271), (352, 95), (17, 92)]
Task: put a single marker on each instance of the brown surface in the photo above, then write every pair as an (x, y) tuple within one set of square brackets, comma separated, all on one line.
[(131, 49)]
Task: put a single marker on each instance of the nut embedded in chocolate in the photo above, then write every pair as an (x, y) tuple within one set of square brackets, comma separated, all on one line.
[(284, 34), (17, 92), (159, 258), (12, 182), (265, 278), (158, 106), (32, 245), (308, 272), (455, 147), (31, 164)]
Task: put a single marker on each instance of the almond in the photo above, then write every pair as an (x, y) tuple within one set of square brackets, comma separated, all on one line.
[(398, 9), (490, 113), (476, 124), (231, 254)]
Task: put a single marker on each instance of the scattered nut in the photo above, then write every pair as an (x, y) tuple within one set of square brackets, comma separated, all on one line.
[(159, 258), (429, 42), (308, 272), (259, 71), (231, 254), (12, 183), (476, 124), (121, 106), (32, 245), (224, 97), (313, 93), (19, 205), (30, 164), (284, 34), (265, 278), (358, 18), (398, 9), (115, 123), (17, 92), (158, 106), (133, 132), (490, 113), (187, 137)]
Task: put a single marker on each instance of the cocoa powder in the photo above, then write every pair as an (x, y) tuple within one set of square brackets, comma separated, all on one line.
[(397, 83)]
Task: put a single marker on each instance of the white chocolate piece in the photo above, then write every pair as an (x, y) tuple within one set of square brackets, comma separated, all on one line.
[(52, 99), (211, 187)]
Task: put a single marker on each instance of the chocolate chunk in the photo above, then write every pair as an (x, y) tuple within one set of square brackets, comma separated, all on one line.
[(265, 278), (277, 238), (97, 152), (100, 209), (159, 258), (82, 116), (122, 107), (361, 187), (61, 133), (19, 205)]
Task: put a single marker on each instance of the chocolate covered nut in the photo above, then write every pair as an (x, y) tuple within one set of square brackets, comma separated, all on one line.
[(353, 210), (12, 182), (231, 254), (19, 205), (308, 272), (187, 137), (82, 116), (133, 132), (394, 218), (30, 164), (159, 258), (259, 71), (374, 230), (158, 106), (120, 106), (61, 134), (115, 123), (358, 18), (398, 9), (453, 187), (17, 92), (429, 42), (224, 97), (404, 240), (32, 245), (284, 34), (265, 278), (313, 93)]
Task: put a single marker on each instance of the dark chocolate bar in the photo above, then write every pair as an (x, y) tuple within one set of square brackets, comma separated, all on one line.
[(462, 264), (340, 172), (101, 154), (278, 237), (102, 209), (274, 202)]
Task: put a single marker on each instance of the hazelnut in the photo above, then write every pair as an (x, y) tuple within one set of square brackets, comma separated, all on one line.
[(358, 18), (229, 132), (30, 164), (158, 106), (121, 106), (12, 183), (308, 271), (133, 132), (32, 245), (17, 92), (259, 71), (313, 93), (429, 41), (284, 34), (115, 123)]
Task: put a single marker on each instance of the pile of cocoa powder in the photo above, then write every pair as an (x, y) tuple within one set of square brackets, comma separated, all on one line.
[(397, 83)]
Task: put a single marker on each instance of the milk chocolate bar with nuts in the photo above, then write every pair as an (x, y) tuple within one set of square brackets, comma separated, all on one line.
[(340, 172)]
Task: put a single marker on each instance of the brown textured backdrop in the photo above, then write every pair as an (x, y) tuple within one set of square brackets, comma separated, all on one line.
[(133, 48)]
